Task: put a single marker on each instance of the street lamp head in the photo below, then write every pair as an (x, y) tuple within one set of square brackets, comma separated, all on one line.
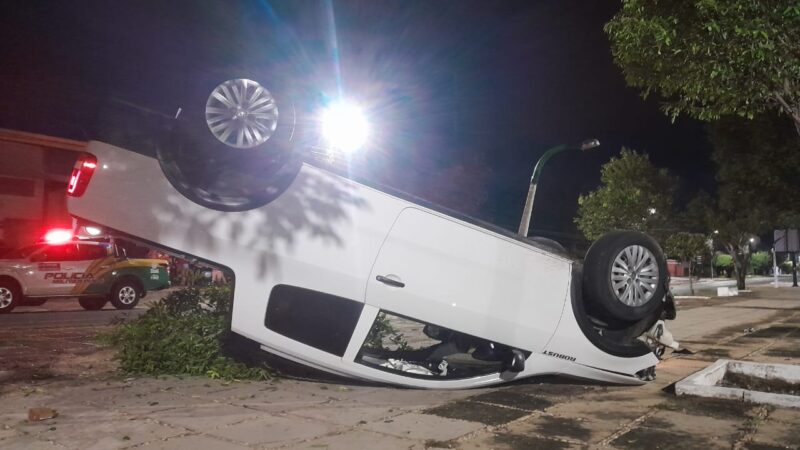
[(590, 144), (752, 240)]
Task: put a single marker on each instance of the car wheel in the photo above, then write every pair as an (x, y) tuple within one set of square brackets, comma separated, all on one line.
[(34, 301), (92, 303), (625, 276), (231, 146), (125, 295), (10, 296)]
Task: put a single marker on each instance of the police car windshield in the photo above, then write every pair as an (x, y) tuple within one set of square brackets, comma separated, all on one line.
[(22, 252)]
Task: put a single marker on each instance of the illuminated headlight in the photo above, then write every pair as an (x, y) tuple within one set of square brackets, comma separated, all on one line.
[(92, 231), (344, 127)]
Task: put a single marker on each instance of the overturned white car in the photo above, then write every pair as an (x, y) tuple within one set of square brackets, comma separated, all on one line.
[(321, 262)]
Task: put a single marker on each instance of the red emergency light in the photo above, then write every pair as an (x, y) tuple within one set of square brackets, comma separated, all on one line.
[(58, 236)]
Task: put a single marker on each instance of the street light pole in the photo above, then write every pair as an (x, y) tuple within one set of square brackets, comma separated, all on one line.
[(537, 170)]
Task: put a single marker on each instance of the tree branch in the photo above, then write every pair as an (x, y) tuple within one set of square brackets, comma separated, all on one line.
[(788, 108)]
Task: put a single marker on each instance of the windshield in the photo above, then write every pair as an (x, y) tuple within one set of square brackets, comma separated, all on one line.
[(23, 252)]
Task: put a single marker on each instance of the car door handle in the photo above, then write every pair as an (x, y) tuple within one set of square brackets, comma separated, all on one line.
[(390, 281)]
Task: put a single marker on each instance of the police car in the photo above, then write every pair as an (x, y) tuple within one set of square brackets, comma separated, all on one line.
[(93, 271)]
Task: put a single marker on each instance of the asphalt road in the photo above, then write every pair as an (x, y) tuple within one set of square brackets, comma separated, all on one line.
[(68, 313), (707, 286), (57, 319)]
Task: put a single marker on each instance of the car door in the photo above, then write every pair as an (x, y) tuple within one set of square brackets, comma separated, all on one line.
[(93, 269), (445, 272), (57, 268)]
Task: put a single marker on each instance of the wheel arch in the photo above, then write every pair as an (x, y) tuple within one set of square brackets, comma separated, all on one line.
[(14, 281), (131, 278)]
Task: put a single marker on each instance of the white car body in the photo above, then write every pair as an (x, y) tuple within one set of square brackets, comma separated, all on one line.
[(329, 234)]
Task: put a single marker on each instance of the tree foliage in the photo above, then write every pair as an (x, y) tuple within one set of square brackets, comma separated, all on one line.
[(723, 261), (757, 163), (757, 171), (686, 247), (634, 195), (712, 58), (761, 262)]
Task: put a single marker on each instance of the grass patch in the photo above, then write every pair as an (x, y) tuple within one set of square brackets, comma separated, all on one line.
[(181, 335)]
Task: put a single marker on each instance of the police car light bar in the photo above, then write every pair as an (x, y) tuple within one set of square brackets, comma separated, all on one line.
[(58, 236)]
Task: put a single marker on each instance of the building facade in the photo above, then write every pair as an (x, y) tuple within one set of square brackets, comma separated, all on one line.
[(34, 172)]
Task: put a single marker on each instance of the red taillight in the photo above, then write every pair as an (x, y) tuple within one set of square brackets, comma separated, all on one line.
[(81, 174)]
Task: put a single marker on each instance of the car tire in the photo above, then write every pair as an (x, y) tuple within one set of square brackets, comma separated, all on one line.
[(625, 276), (125, 295), (10, 296), (212, 168), (34, 301), (92, 303)]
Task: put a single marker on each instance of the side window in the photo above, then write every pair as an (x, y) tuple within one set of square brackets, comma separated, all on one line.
[(90, 252), (67, 252)]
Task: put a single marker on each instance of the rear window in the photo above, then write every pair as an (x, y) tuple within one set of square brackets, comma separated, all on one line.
[(88, 252)]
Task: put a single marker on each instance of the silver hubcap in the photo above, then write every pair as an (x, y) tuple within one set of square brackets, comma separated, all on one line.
[(6, 297), (127, 295), (241, 114), (634, 275)]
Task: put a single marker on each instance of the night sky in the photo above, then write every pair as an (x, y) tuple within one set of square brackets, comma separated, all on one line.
[(464, 96)]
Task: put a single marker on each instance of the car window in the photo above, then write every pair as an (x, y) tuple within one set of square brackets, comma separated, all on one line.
[(23, 252), (66, 252), (89, 252)]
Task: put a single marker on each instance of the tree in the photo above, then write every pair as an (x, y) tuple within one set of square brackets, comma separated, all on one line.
[(712, 58), (757, 164), (761, 262), (686, 247), (723, 261), (634, 195)]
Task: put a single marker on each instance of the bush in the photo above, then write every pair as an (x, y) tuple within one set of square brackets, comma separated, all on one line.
[(180, 335), (761, 262), (383, 333), (723, 261)]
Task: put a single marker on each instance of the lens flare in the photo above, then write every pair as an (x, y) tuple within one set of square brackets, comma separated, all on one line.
[(345, 127)]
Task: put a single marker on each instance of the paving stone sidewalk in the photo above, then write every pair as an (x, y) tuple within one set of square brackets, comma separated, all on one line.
[(549, 413)]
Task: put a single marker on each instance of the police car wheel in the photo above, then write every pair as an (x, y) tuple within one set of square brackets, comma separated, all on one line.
[(125, 295), (92, 304), (9, 296)]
